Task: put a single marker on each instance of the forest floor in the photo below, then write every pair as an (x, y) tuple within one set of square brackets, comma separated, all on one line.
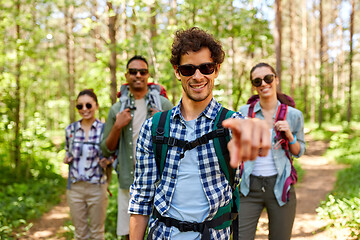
[(318, 181)]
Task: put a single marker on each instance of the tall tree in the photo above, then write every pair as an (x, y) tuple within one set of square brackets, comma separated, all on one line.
[(17, 142), (278, 39), (305, 55), (313, 64), (113, 16), (321, 58), (292, 47), (351, 54), (173, 22), (70, 56)]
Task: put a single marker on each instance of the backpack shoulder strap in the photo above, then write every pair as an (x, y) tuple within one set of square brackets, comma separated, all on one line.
[(281, 113), (220, 145), (251, 113), (159, 130), (72, 137)]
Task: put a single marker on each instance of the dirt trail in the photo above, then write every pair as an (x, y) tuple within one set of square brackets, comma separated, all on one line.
[(318, 181), (50, 225)]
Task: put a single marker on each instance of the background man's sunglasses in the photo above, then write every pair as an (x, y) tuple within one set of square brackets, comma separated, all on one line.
[(80, 106), (189, 69), (258, 81), (134, 71)]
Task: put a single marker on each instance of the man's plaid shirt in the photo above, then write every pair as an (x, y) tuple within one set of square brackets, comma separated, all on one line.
[(146, 193)]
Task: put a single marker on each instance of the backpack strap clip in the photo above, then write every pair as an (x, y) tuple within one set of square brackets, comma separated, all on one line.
[(172, 142)]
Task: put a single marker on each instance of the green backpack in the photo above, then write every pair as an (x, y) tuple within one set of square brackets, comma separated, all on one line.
[(226, 215)]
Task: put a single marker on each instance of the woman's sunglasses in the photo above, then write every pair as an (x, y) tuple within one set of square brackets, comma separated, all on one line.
[(258, 81), (134, 71), (80, 106), (189, 69)]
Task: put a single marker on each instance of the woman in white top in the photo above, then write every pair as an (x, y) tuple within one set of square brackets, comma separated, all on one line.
[(268, 181)]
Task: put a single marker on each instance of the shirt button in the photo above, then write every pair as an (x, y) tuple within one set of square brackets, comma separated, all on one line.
[(130, 129), (131, 157), (131, 172)]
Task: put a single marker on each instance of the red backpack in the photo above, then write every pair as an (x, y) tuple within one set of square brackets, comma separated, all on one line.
[(280, 137)]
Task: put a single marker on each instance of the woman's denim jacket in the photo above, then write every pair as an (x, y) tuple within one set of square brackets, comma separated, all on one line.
[(296, 123)]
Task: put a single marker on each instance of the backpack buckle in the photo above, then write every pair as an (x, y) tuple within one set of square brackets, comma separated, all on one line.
[(220, 132), (172, 141), (185, 226)]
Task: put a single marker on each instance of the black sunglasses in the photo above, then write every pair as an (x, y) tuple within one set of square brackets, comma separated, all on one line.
[(189, 69), (142, 71), (258, 81), (80, 106)]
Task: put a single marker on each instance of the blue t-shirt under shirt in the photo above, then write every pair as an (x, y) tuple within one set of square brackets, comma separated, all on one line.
[(189, 202)]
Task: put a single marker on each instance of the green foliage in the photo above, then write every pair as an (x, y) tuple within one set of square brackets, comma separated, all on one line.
[(343, 204), (28, 200)]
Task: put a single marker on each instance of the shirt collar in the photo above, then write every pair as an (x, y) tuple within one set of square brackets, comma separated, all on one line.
[(257, 107), (94, 125), (210, 111)]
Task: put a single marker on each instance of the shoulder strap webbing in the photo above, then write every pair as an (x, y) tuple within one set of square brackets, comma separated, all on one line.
[(160, 130), (251, 113), (220, 144), (161, 140), (280, 116)]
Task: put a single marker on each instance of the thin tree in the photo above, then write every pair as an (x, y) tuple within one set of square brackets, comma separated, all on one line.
[(278, 39), (292, 47), (153, 35), (321, 58), (313, 64), (113, 16), (173, 22), (70, 56), (305, 39), (351, 55), (17, 142)]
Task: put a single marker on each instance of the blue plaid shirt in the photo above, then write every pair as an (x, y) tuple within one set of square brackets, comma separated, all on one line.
[(147, 191), (93, 171)]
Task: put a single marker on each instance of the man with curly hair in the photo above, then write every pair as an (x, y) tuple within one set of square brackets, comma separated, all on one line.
[(186, 197)]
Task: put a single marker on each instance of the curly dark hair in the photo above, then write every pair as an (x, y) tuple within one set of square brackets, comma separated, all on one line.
[(194, 39)]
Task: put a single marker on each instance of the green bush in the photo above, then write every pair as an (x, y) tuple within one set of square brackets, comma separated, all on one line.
[(342, 205), (21, 202)]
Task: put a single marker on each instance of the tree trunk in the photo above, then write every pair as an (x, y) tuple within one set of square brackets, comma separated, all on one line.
[(313, 66), (278, 39), (112, 63), (305, 39), (321, 70), (352, 16), (173, 22), (95, 32), (292, 48), (17, 142), (153, 34), (69, 25)]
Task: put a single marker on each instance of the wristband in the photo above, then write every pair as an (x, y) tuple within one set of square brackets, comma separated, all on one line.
[(293, 142)]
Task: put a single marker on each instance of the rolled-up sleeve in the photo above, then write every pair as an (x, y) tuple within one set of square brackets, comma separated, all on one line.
[(108, 126), (298, 131)]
